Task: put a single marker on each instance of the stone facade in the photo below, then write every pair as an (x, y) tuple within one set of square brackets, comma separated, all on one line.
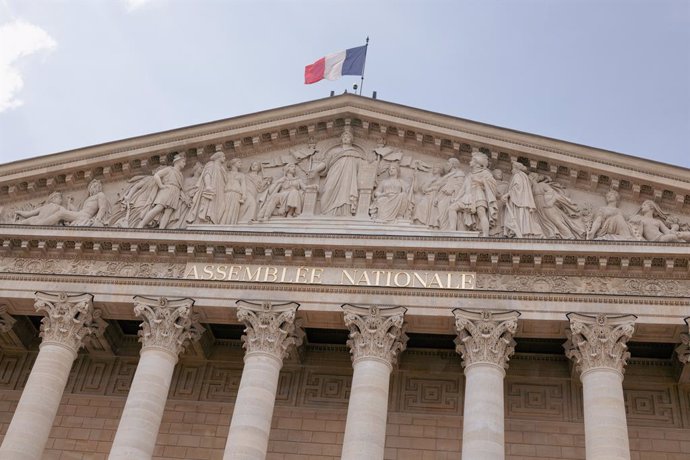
[(344, 278)]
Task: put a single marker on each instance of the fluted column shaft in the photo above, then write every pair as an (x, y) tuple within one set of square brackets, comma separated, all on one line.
[(376, 338), (168, 326), (485, 341), (270, 335), (69, 321), (597, 344)]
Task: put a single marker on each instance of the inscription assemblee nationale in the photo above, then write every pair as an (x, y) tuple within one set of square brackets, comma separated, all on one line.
[(331, 276)]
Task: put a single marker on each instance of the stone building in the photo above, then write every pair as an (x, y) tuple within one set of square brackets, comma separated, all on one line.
[(344, 278)]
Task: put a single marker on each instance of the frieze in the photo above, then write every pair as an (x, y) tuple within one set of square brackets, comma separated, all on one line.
[(542, 283), (363, 184)]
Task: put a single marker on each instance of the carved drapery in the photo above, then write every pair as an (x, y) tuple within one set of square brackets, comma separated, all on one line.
[(599, 341), (485, 337), (270, 328), (168, 324), (6, 320), (375, 332), (70, 319), (683, 350)]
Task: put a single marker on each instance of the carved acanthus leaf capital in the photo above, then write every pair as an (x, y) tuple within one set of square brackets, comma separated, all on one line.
[(168, 324), (376, 332), (599, 341), (270, 328), (683, 350), (485, 336), (69, 319), (6, 320)]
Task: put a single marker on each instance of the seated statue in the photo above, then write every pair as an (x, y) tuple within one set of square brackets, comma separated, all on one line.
[(285, 197), (93, 212), (391, 198), (609, 222)]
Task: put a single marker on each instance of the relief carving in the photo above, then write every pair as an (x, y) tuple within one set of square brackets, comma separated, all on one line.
[(69, 319), (270, 329), (599, 341), (343, 180), (375, 333), (168, 325), (485, 337)]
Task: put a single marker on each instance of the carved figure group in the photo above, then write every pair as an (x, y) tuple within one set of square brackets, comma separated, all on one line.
[(396, 188)]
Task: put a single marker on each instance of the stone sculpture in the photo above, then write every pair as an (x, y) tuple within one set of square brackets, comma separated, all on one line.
[(285, 197), (93, 212), (609, 222), (340, 190), (649, 225), (558, 214), (169, 182), (235, 193), (391, 199), (256, 187), (520, 209), (208, 202), (498, 228), (451, 189), (478, 204), (425, 212)]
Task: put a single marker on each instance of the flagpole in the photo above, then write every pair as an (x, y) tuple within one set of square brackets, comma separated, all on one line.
[(361, 83)]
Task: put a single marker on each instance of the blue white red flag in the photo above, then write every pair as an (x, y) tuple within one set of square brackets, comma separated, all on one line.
[(334, 66)]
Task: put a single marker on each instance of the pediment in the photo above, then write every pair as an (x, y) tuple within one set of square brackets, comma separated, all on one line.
[(403, 171)]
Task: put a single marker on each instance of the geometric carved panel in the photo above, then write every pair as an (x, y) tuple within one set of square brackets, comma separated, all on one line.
[(441, 395), (11, 365), (288, 383), (221, 382), (122, 376), (186, 382), (93, 376), (652, 407), (545, 401), (330, 389)]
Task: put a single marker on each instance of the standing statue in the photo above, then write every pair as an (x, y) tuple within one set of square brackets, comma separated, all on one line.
[(424, 202), (257, 186), (93, 212), (558, 214), (235, 193), (649, 225), (452, 187), (391, 199), (285, 197), (169, 182), (478, 202), (208, 203), (340, 190), (609, 222), (191, 187), (498, 229), (520, 216)]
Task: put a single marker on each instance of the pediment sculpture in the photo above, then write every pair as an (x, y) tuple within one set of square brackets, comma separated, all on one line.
[(346, 180)]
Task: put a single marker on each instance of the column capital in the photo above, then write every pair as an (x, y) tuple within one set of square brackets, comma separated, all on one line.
[(683, 350), (270, 329), (6, 320), (70, 319), (167, 324), (375, 332), (599, 341), (485, 336)]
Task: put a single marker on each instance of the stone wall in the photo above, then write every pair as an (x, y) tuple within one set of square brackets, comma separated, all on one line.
[(543, 406)]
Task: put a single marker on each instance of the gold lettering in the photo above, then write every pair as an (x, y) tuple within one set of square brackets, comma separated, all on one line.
[(221, 272), (378, 273), (208, 270), (388, 278), (282, 275), (192, 270), (301, 277), (436, 280), (316, 275), (346, 274), (234, 271), (271, 275), (406, 283), (364, 278), (249, 276), (468, 280), (423, 282)]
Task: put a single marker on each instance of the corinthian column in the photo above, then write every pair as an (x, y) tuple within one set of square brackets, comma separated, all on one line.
[(167, 327), (69, 321), (269, 336), (377, 336), (597, 344), (485, 341)]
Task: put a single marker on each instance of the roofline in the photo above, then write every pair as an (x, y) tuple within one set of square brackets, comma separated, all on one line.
[(565, 143)]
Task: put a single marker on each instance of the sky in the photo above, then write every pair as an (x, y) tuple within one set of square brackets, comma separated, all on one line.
[(613, 74)]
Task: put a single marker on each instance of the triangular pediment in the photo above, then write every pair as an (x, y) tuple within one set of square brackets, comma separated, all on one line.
[(405, 170)]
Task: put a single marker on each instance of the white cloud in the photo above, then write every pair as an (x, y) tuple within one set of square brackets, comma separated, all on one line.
[(18, 39)]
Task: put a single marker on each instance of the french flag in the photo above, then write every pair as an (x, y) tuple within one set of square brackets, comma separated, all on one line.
[(334, 66)]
